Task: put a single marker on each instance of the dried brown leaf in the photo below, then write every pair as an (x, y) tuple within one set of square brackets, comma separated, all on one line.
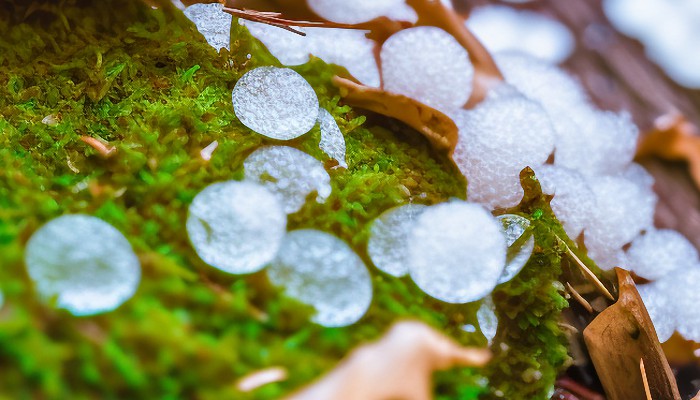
[(619, 338)]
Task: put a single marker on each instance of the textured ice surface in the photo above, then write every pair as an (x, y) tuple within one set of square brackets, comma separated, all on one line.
[(86, 264), (456, 252), (559, 94), (332, 139), (487, 319), (290, 174), (429, 65), (684, 296), (321, 270), (497, 140), (388, 240), (352, 12), (603, 143), (623, 210), (660, 252), (236, 227), (345, 47), (639, 175), (212, 23), (503, 28), (573, 201), (275, 102), (661, 310), (513, 226)]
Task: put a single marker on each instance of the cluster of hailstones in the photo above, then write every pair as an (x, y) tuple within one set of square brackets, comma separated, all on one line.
[(455, 251), (540, 114)]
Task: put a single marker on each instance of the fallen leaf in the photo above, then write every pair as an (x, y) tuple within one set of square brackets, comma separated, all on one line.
[(621, 336), (398, 366), (674, 138), (437, 127)]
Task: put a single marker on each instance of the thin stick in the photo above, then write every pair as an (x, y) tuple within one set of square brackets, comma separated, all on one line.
[(645, 380), (275, 19), (105, 150), (586, 271), (579, 298)]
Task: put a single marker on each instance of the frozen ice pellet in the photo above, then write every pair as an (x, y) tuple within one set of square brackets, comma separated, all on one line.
[(86, 264), (320, 270), (388, 241), (456, 252), (513, 227), (212, 23), (655, 298), (623, 210), (275, 102), (352, 12), (603, 143), (487, 319), (236, 227), (660, 252), (682, 291), (345, 47), (573, 202), (497, 140), (290, 174), (639, 175), (429, 65), (558, 92), (332, 139)]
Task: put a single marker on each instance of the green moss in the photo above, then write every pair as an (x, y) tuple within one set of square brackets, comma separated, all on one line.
[(146, 82)]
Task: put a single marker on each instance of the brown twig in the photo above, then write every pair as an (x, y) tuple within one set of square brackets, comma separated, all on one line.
[(587, 272), (276, 19), (579, 298), (645, 380), (104, 149)]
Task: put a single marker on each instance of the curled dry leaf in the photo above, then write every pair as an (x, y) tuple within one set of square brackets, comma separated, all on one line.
[(621, 336), (440, 130), (398, 366), (674, 138)]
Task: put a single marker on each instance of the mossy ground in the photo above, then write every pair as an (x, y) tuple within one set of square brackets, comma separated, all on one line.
[(146, 82)]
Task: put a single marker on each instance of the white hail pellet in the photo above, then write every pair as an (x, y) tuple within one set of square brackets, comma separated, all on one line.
[(487, 319), (623, 210), (236, 227), (321, 270), (345, 47), (275, 102), (603, 143), (497, 140), (513, 227), (684, 297), (388, 240), (456, 252), (84, 263), (290, 174), (560, 95), (332, 139), (352, 12), (503, 28), (660, 309), (429, 65), (212, 23), (573, 202), (660, 252), (639, 175)]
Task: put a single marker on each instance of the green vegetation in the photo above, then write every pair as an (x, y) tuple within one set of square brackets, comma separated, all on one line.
[(146, 82)]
